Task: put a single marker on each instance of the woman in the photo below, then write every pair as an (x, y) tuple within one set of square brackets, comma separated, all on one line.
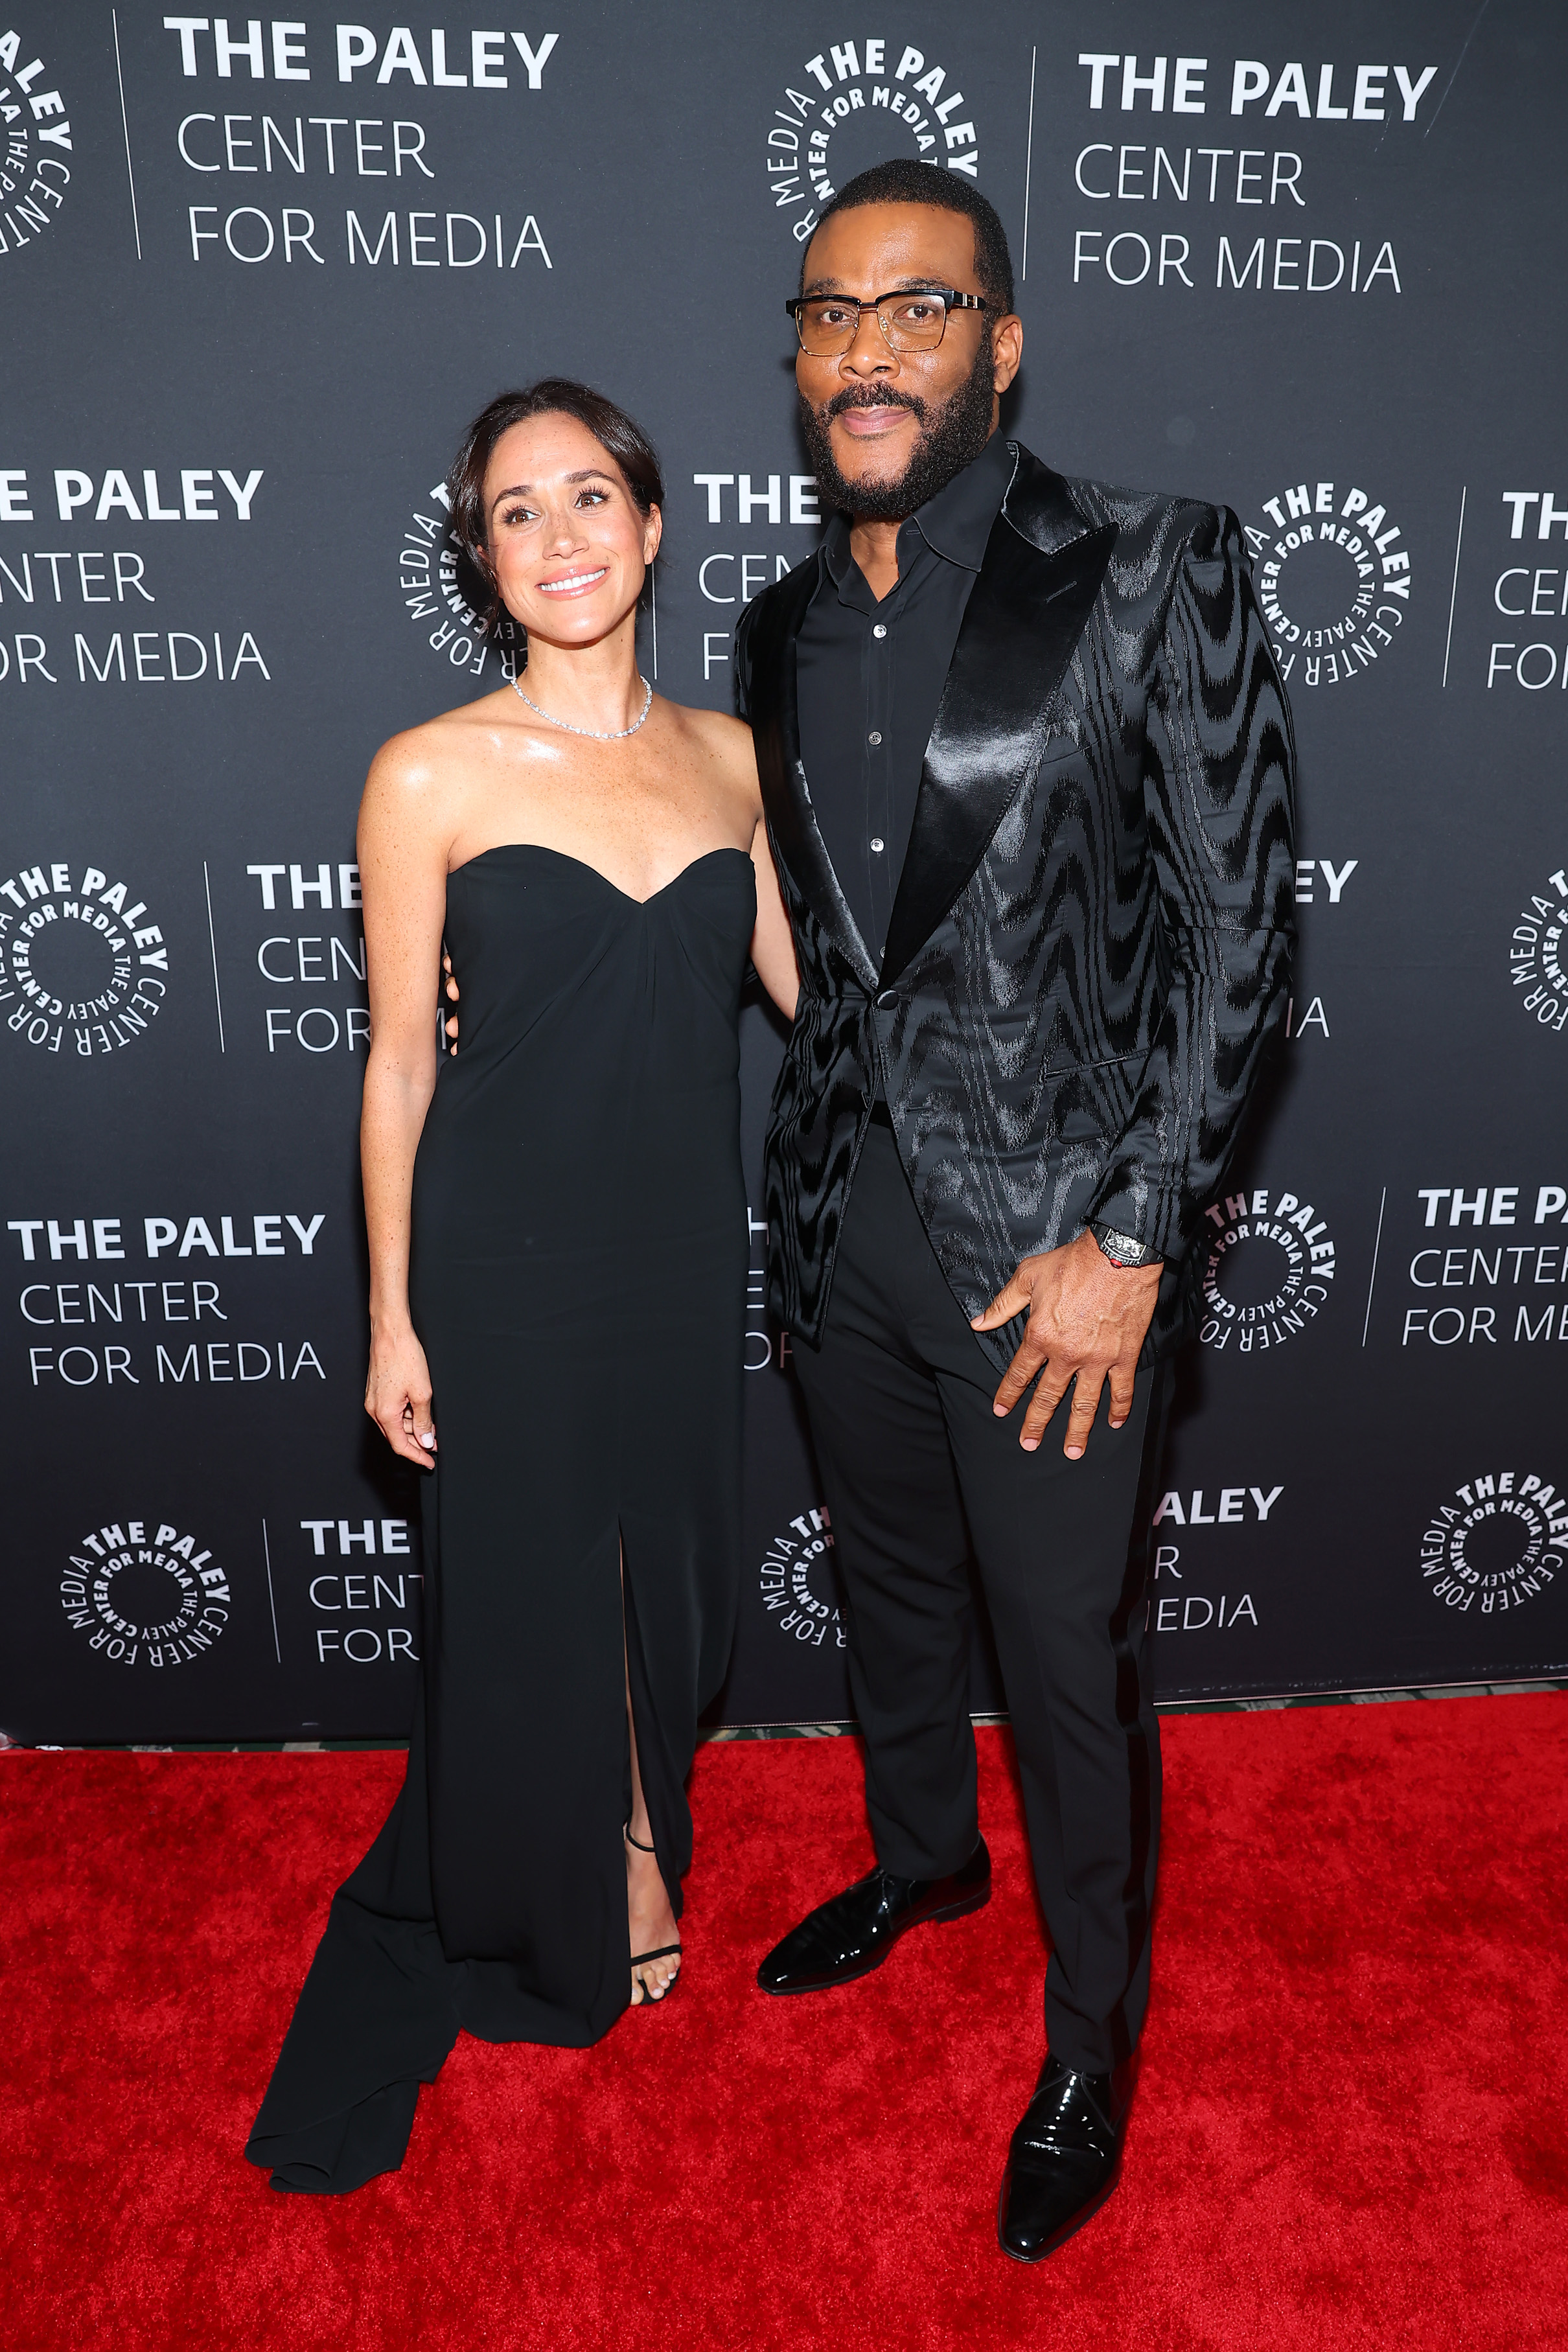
[(557, 1251)]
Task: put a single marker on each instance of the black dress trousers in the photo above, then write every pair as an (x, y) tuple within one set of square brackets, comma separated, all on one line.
[(919, 1472)]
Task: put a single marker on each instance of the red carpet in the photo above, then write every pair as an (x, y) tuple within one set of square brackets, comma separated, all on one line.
[(1351, 2129)]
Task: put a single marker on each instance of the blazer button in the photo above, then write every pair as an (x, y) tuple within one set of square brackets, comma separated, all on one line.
[(888, 999)]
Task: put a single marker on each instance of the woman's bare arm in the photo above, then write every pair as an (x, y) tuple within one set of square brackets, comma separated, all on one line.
[(403, 872), (772, 942)]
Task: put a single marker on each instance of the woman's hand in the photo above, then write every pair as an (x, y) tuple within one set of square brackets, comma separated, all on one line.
[(397, 1395)]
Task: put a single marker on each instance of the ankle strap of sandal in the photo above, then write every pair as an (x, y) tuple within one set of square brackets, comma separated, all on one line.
[(636, 1841)]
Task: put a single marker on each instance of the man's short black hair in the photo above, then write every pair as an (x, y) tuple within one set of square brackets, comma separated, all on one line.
[(904, 180)]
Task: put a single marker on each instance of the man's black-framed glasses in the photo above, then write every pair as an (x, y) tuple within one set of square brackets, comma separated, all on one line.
[(914, 319)]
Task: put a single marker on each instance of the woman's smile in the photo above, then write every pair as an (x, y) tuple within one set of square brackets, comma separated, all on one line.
[(573, 583)]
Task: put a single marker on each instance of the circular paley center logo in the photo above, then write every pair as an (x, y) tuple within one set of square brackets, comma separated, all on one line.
[(1268, 1271), (856, 103), (34, 140), (442, 594), (83, 968), (155, 1599), (1495, 1543), (794, 1563), (1333, 579), (1535, 955)]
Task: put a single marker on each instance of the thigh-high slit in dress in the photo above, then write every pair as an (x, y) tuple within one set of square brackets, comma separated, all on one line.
[(577, 1277)]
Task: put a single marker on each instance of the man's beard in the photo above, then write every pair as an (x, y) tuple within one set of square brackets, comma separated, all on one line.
[(949, 438)]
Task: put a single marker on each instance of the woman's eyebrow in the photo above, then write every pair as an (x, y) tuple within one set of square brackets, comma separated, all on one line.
[(584, 474)]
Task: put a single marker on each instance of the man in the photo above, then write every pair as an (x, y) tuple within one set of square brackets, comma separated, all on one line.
[(1028, 771)]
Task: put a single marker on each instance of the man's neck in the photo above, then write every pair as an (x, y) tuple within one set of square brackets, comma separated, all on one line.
[(875, 547), (874, 541)]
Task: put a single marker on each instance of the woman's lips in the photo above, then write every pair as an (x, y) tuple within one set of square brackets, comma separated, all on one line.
[(573, 583)]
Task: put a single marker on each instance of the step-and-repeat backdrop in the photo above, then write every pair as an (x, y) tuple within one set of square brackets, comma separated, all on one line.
[(258, 273)]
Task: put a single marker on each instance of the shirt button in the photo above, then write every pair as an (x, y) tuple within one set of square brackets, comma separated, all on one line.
[(877, 842), (879, 631), (873, 737)]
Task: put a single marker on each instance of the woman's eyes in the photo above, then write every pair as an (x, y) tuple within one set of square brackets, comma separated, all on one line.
[(519, 518)]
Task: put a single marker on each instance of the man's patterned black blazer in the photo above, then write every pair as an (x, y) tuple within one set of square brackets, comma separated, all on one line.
[(1089, 944)]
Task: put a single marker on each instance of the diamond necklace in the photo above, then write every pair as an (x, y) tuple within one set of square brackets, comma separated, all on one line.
[(594, 735)]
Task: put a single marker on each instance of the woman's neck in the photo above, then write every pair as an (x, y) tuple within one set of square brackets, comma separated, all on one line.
[(597, 686)]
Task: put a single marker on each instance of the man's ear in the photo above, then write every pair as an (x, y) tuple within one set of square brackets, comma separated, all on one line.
[(1008, 348)]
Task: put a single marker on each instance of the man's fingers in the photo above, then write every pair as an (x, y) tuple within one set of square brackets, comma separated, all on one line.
[(1011, 1300), (1081, 1421), (1017, 1376), (1048, 1395), (1121, 1393)]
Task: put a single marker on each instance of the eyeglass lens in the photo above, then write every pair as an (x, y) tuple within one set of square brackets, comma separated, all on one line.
[(911, 322)]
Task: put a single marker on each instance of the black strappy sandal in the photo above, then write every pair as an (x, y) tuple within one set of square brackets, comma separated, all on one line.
[(651, 2000)]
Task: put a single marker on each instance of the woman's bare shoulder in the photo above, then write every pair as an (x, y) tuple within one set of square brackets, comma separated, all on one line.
[(716, 727), (426, 763), (725, 740)]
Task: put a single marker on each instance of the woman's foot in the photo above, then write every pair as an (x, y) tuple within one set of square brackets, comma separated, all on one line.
[(650, 1922)]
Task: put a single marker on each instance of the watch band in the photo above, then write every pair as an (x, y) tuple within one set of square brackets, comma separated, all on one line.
[(1121, 1248)]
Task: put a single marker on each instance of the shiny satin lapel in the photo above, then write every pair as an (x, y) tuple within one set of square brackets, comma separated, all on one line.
[(786, 796), (1026, 615)]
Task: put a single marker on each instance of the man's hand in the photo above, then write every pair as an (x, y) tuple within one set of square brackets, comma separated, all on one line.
[(1088, 1319), (452, 992)]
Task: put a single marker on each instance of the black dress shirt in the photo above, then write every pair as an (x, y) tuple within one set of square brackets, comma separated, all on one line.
[(871, 677)]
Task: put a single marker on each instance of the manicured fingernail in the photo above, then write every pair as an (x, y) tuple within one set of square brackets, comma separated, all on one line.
[(1075, 1453), (1028, 1444), (428, 1437)]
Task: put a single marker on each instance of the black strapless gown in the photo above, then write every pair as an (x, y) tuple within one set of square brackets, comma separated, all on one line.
[(578, 1273)]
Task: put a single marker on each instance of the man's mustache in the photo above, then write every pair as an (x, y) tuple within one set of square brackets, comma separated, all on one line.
[(869, 396)]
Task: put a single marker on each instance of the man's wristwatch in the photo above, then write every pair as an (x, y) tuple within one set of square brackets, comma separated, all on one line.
[(1121, 1248)]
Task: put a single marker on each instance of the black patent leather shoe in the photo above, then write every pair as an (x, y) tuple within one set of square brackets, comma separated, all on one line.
[(854, 1933), (1064, 2160)]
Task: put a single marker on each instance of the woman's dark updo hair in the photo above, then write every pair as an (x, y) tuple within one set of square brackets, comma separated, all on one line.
[(621, 438)]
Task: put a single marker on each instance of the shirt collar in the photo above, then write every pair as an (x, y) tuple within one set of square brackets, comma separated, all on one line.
[(954, 524), (957, 522)]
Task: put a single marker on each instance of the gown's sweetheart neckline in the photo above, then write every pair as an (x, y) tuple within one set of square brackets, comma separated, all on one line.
[(543, 849)]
